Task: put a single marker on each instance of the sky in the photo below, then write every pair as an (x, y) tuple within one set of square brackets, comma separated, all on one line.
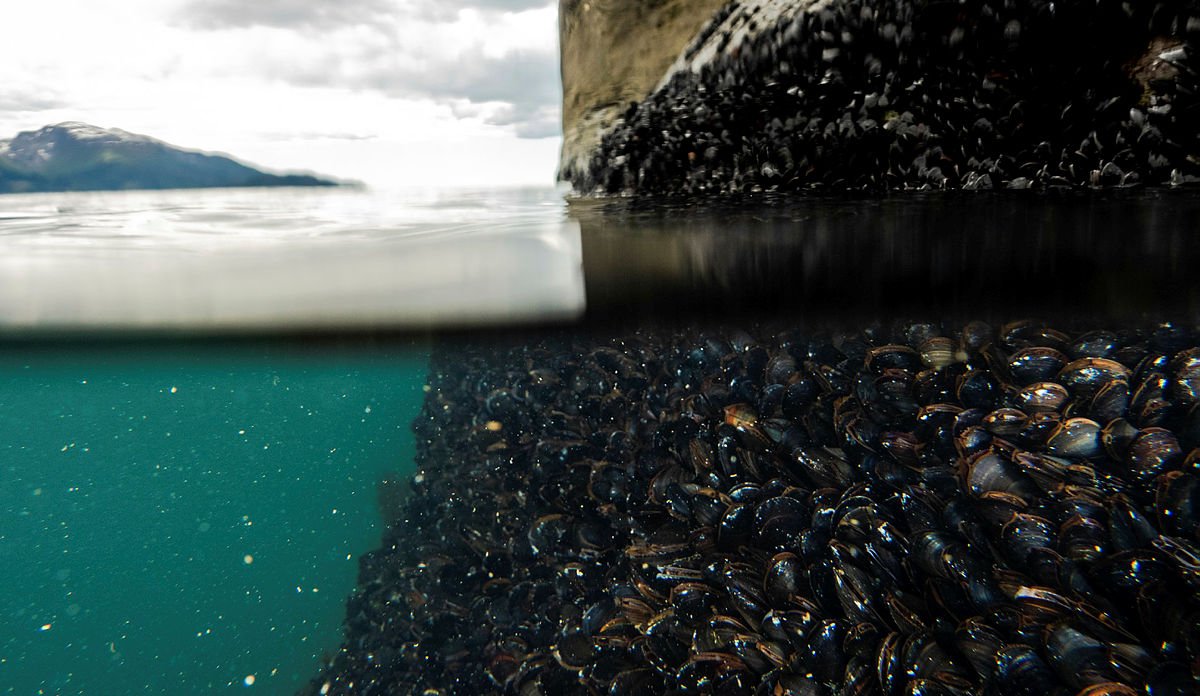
[(389, 92)]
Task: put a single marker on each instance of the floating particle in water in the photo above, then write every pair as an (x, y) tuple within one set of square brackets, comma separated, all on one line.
[(367, 409), (494, 426), (247, 559), (73, 610), (249, 680), (174, 389), (46, 627), (204, 526)]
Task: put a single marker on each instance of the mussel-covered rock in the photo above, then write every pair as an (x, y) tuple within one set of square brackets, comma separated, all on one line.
[(920, 509)]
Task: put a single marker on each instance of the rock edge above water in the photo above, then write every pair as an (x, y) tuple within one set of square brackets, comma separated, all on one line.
[(872, 96)]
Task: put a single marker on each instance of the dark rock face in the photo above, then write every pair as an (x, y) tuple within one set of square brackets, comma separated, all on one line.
[(918, 509), (876, 96)]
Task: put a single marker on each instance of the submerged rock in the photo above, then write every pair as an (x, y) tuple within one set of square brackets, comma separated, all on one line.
[(910, 509)]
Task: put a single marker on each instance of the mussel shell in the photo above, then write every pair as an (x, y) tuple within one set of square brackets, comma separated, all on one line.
[(907, 611), (823, 655), (575, 651), (925, 658), (937, 352), (1128, 528), (642, 680), (1108, 689), (715, 633), (1023, 533), (893, 357), (1094, 344), (747, 492), (702, 671), (936, 553), (1025, 332), (1083, 539), (1116, 437), (800, 393), (781, 506), (783, 579), (694, 601), (977, 389), (1110, 402), (975, 335), (857, 592), (980, 644), (1149, 405), (780, 368), (1182, 556), (736, 527), (822, 466), (1130, 662), (791, 627), (1076, 438), (782, 683), (989, 474), (1185, 373), (746, 647), (1020, 671), (1053, 474), (1035, 364), (1080, 659), (1005, 422), (935, 687), (1177, 502), (746, 599), (888, 670), (1040, 397), (1152, 452), (972, 441), (1085, 376)]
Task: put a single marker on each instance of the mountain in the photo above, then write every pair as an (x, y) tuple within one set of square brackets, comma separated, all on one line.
[(79, 157)]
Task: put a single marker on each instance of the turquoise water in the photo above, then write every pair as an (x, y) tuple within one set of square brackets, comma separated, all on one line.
[(187, 518)]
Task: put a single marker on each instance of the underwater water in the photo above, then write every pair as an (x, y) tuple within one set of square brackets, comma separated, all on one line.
[(214, 406), (188, 518)]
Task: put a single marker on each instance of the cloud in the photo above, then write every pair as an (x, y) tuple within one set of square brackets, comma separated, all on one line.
[(284, 14), (28, 99), (507, 62), (326, 15), (317, 135), (447, 9)]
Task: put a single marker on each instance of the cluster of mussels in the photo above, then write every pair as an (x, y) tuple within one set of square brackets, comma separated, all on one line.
[(879, 95), (910, 510)]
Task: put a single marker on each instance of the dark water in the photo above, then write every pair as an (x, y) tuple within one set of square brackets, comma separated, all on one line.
[(186, 515)]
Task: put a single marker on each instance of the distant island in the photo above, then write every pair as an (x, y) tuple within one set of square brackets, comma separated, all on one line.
[(76, 156)]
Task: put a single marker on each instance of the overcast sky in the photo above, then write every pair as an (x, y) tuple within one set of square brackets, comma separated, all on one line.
[(392, 92)]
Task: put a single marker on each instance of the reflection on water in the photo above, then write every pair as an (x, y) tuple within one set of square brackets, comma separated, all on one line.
[(969, 256)]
